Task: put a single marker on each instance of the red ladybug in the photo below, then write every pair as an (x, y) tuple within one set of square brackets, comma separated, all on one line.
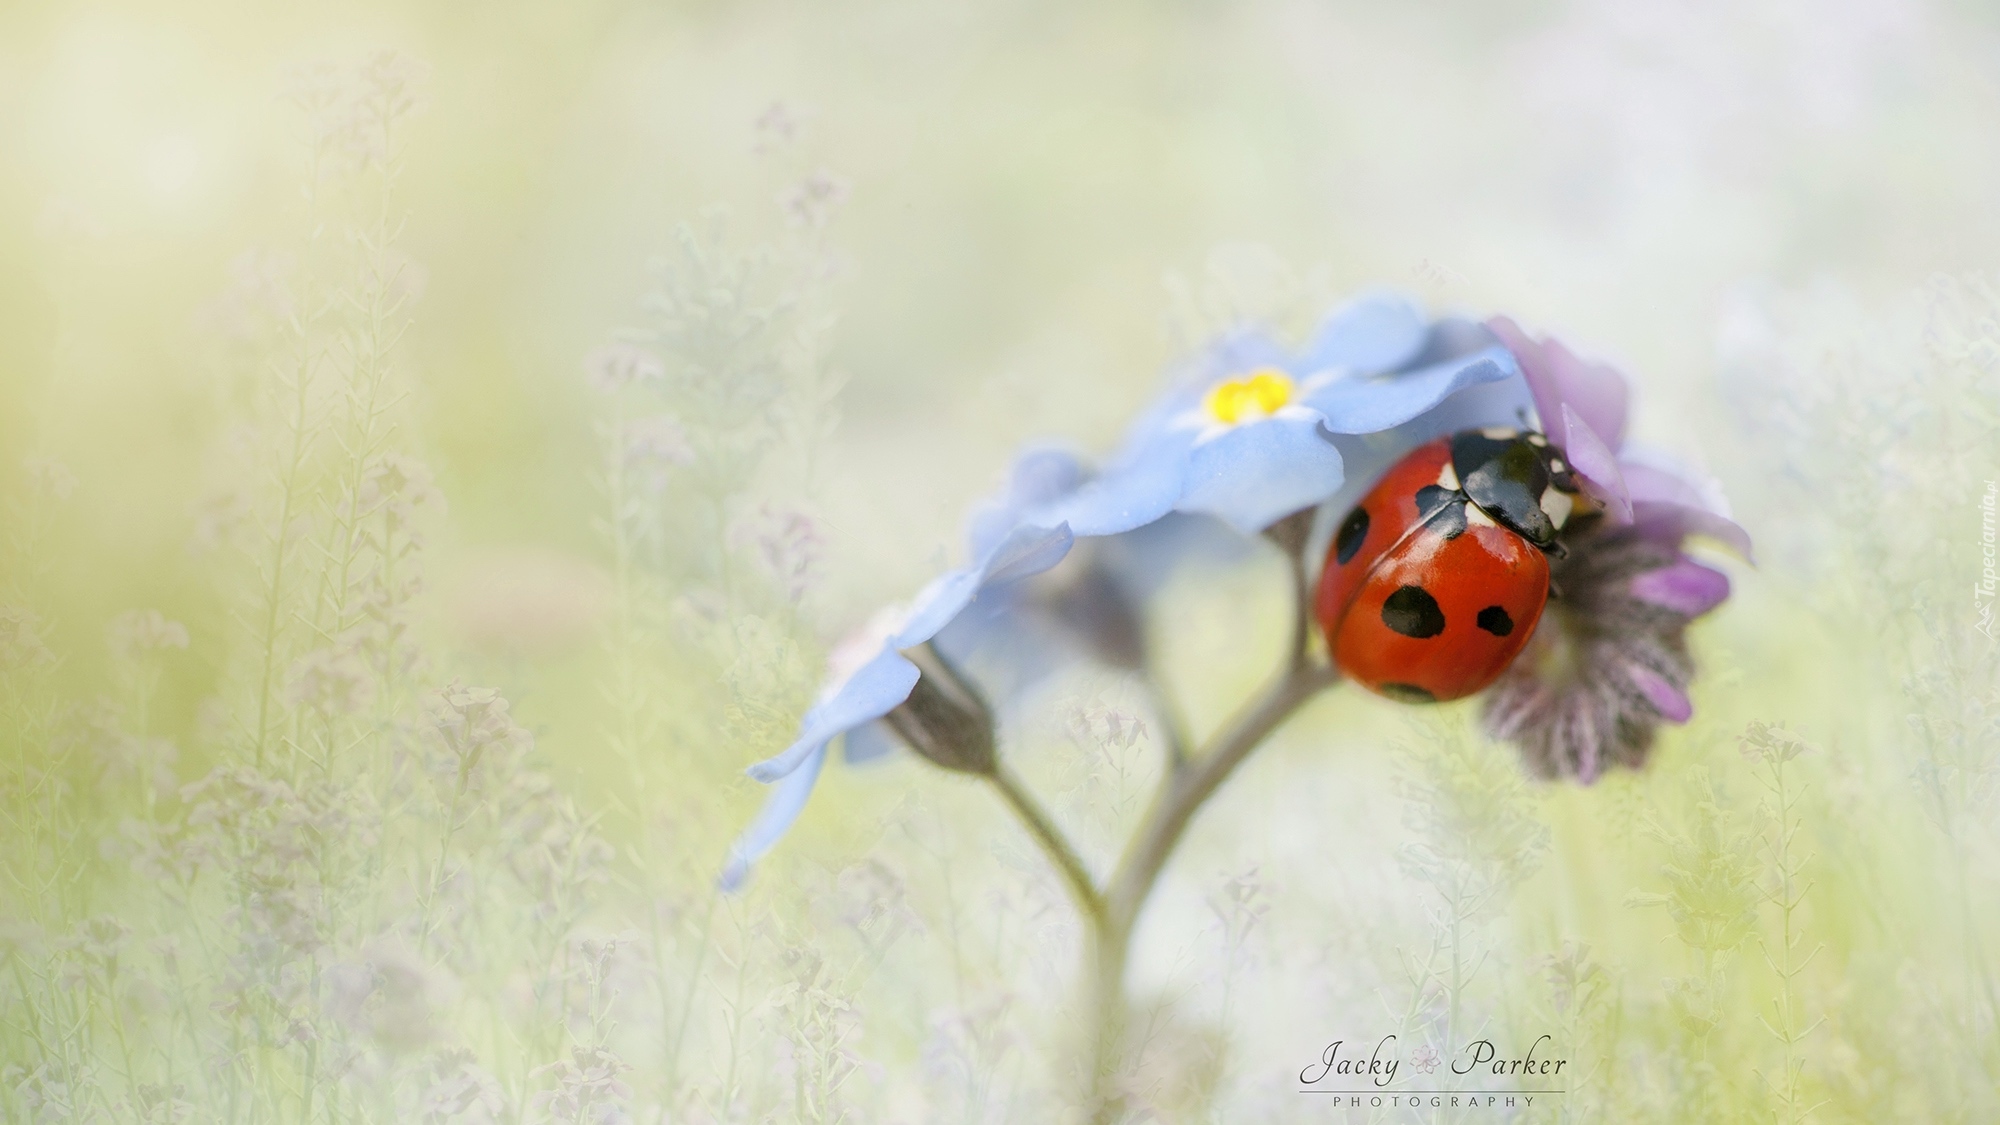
[(1434, 582)]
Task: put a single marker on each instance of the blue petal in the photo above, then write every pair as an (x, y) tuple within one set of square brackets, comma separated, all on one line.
[(1361, 406), (1375, 332), (1243, 352), (1039, 476), (1135, 493), (1252, 475), (870, 693), (866, 743), (1028, 551), (1142, 560), (936, 604), (780, 810)]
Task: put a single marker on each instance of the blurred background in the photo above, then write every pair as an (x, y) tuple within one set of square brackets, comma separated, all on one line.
[(440, 443)]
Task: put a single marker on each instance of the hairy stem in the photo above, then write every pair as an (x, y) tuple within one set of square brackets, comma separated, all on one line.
[(1182, 793), (1089, 901)]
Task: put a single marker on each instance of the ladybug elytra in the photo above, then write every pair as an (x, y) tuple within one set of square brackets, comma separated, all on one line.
[(1435, 581)]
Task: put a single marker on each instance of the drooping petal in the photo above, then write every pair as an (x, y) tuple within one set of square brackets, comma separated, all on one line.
[(1251, 475), (936, 604), (1356, 405), (1645, 482), (1029, 550), (1595, 391), (1664, 522), (781, 809), (866, 743), (1658, 474), (1594, 462), (1687, 588), (872, 692), (1039, 476), (1557, 377), (1374, 332), (1134, 493)]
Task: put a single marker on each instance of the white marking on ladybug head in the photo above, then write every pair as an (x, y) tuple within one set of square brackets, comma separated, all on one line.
[(1556, 503), (1448, 478), (1478, 518), (1536, 439), (1555, 464), (1500, 433)]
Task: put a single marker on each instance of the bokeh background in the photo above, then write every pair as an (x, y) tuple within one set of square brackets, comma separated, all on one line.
[(440, 442)]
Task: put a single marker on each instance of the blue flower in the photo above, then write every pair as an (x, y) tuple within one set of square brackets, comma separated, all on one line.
[(869, 677), (1248, 437)]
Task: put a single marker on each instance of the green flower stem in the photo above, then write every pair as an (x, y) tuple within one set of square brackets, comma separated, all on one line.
[(1113, 913), (1089, 901), (1180, 795)]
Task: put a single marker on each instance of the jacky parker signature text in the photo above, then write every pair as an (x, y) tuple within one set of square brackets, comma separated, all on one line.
[(1379, 1066)]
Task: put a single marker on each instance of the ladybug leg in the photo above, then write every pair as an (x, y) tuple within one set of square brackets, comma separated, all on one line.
[(1556, 550)]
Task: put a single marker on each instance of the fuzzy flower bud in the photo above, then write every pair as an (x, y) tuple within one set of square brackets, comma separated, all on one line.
[(945, 720)]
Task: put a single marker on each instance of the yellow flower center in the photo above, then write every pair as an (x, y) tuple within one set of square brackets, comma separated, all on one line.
[(1256, 395)]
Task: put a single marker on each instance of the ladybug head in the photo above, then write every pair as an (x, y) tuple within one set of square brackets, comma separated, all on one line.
[(1519, 480)]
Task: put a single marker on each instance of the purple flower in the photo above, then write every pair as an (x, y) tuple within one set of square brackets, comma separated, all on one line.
[(1609, 661)]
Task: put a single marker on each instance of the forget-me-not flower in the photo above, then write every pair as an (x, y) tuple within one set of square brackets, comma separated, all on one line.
[(1247, 436)]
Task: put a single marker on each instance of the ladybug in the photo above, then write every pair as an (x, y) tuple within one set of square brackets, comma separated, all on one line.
[(1434, 582)]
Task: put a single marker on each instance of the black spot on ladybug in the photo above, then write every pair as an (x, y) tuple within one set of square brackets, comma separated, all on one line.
[(1412, 612), (1352, 531), (1406, 693), (1494, 620)]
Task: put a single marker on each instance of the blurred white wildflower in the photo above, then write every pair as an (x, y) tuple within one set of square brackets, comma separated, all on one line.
[(50, 477), (874, 901), (787, 545), (255, 300), (352, 112), (778, 125), (219, 517), (155, 1103), (390, 994), (332, 681), (586, 1087), (620, 364), (124, 757), (142, 632), (398, 484), (650, 448), (470, 723), (813, 201), (462, 1091), (21, 645)]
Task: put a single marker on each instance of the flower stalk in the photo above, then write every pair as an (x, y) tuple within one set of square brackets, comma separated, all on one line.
[(1111, 914)]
